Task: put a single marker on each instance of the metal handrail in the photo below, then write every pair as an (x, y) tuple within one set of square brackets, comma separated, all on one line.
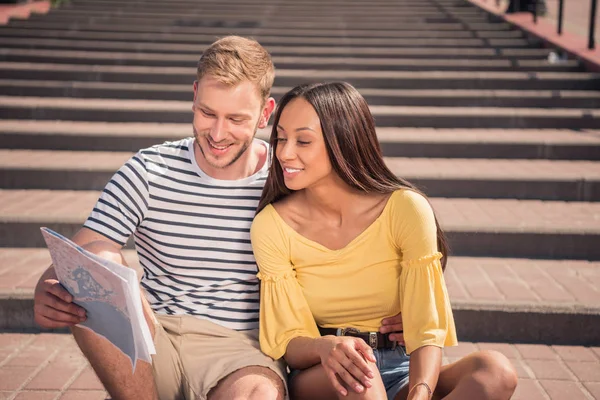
[(561, 7), (592, 26), (592, 31), (516, 6)]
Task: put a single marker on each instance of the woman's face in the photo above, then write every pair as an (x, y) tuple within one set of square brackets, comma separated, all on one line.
[(301, 150)]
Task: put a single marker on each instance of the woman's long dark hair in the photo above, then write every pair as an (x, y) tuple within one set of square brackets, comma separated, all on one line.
[(351, 141)]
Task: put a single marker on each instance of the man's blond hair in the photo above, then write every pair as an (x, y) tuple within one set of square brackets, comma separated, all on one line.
[(234, 59)]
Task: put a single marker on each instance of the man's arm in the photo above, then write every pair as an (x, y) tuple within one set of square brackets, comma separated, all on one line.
[(393, 326), (53, 305)]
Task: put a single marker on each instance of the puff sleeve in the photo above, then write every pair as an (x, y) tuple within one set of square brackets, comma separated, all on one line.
[(426, 311), (284, 312)]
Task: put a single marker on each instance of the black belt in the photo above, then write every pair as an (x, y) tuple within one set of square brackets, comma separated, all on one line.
[(374, 339)]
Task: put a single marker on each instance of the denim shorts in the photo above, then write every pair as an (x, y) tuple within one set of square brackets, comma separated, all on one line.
[(392, 366)]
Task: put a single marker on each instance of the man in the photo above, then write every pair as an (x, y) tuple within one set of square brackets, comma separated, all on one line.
[(189, 205)]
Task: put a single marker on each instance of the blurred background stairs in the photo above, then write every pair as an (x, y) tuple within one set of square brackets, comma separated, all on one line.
[(505, 142)]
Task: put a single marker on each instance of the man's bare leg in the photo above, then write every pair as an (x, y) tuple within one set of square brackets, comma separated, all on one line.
[(113, 367), (249, 383)]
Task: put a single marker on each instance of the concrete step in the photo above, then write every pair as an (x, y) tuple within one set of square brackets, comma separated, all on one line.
[(307, 3), (286, 13), (336, 3), (359, 18), (114, 110), (291, 62), (223, 28), (490, 143), (450, 178), (338, 51), (489, 296), (249, 21), (279, 8), (291, 77), (395, 142), (451, 30), (233, 7), (253, 22), (475, 227), (399, 97), (415, 41)]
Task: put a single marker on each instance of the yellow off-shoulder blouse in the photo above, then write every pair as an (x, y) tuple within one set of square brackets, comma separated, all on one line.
[(392, 266)]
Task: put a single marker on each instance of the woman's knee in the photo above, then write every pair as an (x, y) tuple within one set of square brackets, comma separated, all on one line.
[(497, 371), (375, 392)]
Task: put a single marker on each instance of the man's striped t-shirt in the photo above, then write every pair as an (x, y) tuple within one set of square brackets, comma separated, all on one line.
[(191, 232)]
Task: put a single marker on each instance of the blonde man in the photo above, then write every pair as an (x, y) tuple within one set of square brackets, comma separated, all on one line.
[(189, 205)]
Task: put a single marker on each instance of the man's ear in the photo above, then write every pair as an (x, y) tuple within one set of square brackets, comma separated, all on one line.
[(195, 95), (267, 110)]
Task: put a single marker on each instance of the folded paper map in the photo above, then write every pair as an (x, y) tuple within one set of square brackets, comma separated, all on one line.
[(109, 292)]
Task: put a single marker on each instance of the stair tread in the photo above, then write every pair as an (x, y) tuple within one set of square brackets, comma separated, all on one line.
[(441, 168), (460, 215)]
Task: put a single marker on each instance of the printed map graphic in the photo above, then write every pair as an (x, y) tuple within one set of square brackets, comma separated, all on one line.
[(103, 308)]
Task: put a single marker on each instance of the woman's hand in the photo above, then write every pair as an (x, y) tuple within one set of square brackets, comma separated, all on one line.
[(347, 358)]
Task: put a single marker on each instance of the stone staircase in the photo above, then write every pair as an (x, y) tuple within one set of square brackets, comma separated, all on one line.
[(506, 143)]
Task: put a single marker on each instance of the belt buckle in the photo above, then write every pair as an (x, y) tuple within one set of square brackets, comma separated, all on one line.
[(373, 340), (345, 331)]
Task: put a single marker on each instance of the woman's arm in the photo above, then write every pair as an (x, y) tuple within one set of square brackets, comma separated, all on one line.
[(301, 353), (426, 311), (425, 364), (344, 356)]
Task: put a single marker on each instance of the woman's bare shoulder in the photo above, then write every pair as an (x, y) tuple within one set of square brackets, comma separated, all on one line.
[(290, 210)]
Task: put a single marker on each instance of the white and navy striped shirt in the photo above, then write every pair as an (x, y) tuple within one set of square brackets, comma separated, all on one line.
[(191, 232)]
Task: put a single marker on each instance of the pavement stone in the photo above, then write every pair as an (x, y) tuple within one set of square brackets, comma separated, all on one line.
[(65, 374)]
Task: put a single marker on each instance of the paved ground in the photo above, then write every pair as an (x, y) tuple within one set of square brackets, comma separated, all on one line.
[(576, 16), (22, 10), (49, 366)]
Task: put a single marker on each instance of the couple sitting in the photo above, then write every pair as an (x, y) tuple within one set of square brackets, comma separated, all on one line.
[(340, 242)]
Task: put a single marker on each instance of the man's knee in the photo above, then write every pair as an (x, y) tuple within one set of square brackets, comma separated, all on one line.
[(264, 390)]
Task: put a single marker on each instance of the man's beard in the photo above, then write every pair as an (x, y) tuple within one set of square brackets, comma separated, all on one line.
[(237, 156)]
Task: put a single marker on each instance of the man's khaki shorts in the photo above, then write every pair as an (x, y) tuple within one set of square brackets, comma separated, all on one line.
[(193, 355)]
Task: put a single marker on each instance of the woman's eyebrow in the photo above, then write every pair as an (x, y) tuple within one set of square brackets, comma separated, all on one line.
[(304, 128)]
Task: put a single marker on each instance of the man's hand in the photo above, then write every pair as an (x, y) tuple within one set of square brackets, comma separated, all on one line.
[(393, 326), (53, 305)]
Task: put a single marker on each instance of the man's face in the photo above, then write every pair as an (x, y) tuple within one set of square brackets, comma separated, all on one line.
[(226, 119)]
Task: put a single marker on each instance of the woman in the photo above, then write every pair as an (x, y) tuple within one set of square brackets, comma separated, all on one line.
[(341, 243)]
